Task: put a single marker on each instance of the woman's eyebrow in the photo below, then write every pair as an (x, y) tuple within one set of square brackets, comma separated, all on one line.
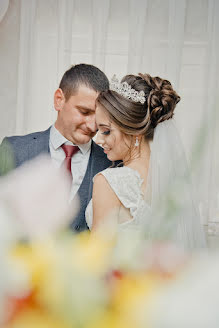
[(104, 125)]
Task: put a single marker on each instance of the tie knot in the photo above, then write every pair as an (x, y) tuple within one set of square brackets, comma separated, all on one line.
[(70, 150)]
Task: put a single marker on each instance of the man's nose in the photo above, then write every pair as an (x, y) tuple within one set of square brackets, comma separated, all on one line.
[(91, 124)]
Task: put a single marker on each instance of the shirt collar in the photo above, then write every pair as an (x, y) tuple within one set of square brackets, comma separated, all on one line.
[(57, 139)]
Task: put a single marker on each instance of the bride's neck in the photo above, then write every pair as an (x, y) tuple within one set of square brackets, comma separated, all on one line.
[(139, 157)]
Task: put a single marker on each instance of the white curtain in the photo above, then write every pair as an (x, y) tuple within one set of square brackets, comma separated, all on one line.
[(175, 39), (211, 105)]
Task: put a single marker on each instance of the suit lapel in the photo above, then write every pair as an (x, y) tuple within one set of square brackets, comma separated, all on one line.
[(86, 187)]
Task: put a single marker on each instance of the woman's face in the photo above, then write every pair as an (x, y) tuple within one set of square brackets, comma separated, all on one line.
[(115, 143)]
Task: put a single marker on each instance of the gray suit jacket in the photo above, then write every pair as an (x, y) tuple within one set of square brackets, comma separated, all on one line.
[(24, 148)]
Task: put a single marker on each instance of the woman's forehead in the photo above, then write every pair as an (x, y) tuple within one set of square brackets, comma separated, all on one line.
[(101, 115)]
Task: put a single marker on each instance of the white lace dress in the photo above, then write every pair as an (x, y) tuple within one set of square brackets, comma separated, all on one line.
[(138, 214), (126, 183)]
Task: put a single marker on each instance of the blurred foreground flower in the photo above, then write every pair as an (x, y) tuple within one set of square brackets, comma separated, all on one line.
[(37, 196), (89, 281), (60, 282), (34, 204), (72, 282), (191, 299)]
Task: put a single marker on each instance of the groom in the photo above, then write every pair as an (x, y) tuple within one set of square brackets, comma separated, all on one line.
[(74, 102)]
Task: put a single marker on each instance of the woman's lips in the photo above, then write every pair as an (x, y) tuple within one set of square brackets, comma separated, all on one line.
[(106, 150)]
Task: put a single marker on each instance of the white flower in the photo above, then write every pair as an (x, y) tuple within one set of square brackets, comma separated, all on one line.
[(191, 300), (37, 197)]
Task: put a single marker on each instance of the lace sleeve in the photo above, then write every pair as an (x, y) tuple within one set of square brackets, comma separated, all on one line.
[(126, 183)]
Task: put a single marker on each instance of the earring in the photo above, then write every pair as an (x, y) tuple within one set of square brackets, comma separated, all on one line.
[(136, 142)]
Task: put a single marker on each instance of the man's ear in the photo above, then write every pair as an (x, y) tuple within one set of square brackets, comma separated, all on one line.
[(59, 99)]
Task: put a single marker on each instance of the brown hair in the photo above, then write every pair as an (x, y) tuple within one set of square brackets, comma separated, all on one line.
[(85, 74), (134, 118)]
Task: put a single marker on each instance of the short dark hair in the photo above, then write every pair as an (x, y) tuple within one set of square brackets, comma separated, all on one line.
[(83, 74)]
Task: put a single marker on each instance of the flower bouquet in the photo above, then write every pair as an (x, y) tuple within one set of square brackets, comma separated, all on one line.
[(52, 278)]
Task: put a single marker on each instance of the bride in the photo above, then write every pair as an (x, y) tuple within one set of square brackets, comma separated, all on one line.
[(152, 190)]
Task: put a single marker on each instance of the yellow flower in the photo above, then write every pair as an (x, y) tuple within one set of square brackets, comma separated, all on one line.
[(40, 262), (91, 253), (35, 259), (36, 318), (132, 294), (65, 275)]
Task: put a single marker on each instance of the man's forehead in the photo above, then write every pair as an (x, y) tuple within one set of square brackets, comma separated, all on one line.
[(83, 88)]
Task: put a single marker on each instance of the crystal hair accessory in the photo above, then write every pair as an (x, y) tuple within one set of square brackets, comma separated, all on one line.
[(125, 90)]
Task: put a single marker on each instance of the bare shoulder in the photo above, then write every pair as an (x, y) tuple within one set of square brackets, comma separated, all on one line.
[(104, 200), (103, 189), (99, 179)]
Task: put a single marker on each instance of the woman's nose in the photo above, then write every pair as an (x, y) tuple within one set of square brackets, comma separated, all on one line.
[(99, 138)]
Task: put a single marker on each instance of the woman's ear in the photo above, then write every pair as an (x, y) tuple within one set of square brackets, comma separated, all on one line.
[(59, 99)]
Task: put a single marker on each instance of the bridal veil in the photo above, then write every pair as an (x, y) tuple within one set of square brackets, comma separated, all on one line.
[(174, 214)]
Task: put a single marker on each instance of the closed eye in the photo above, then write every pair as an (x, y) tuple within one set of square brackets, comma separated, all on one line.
[(106, 133), (84, 112)]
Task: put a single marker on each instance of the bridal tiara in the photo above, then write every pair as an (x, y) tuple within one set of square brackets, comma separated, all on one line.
[(125, 90)]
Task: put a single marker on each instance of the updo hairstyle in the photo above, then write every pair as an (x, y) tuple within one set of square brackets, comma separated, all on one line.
[(134, 118)]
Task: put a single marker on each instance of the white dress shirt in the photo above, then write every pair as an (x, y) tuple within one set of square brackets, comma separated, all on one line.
[(79, 161)]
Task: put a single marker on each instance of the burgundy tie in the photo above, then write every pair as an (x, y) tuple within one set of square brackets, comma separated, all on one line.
[(69, 152)]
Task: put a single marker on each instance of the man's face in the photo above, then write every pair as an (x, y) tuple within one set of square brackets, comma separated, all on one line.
[(76, 117)]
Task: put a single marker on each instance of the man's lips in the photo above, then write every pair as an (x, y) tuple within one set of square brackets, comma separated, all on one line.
[(88, 133)]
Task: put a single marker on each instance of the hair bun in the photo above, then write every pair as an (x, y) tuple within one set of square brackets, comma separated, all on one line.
[(162, 99)]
